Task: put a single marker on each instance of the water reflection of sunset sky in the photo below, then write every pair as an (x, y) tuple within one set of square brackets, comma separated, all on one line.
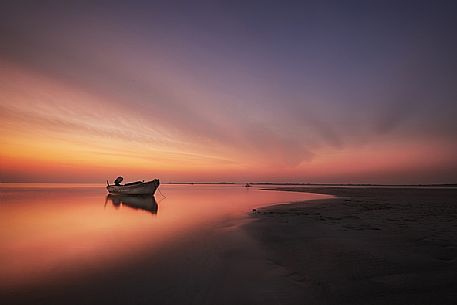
[(49, 233)]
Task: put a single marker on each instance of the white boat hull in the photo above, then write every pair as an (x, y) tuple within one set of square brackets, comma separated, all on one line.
[(145, 188)]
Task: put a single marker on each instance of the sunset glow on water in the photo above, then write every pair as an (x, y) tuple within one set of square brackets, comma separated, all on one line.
[(55, 232)]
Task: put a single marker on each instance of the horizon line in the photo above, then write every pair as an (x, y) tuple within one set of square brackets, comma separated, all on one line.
[(256, 183)]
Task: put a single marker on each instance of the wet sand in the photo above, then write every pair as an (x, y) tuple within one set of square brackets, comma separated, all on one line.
[(367, 246)]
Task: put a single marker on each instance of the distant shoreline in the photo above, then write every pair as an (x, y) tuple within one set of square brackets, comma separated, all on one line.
[(324, 184), (261, 184)]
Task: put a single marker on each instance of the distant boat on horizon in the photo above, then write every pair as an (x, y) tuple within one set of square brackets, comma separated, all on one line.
[(133, 188), (248, 185)]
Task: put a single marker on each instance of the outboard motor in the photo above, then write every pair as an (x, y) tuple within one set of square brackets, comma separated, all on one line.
[(118, 180)]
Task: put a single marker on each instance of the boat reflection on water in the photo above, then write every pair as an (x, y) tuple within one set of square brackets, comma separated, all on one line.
[(139, 202)]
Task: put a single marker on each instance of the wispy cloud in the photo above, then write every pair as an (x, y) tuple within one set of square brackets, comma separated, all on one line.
[(173, 88)]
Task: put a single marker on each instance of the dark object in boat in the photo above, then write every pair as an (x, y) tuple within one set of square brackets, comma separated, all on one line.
[(118, 180), (140, 202), (133, 188)]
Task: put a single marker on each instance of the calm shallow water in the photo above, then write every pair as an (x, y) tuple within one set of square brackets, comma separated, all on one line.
[(55, 232)]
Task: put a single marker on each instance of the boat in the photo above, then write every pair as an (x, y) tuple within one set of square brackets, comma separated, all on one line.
[(133, 188), (248, 185), (138, 202)]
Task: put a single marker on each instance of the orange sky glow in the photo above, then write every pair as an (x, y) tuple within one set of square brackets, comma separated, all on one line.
[(53, 132)]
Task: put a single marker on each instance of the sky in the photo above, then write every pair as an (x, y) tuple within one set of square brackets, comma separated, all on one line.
[(279, 91)]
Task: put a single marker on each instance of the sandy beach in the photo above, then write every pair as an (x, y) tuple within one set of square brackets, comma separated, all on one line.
[(367, 246)]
